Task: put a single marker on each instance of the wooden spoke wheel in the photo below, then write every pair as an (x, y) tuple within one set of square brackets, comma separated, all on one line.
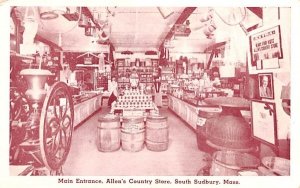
[(56, 126)]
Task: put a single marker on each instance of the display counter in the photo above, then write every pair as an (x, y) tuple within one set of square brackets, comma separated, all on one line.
[(85, 105), (186, 109)]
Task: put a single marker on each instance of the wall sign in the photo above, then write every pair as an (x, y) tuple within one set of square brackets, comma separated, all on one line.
[(266, 45)]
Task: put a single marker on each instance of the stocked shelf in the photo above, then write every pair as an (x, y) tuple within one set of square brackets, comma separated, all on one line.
[(143, 68)]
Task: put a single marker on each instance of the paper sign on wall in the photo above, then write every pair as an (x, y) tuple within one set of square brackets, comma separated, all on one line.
[(266, 45)]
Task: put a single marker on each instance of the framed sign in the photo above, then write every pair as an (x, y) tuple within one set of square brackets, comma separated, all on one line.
[(266, 45), (266, 86), (264, 122), (88, 60)]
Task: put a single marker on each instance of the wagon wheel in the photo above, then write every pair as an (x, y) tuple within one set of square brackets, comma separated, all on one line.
[(56, 126)]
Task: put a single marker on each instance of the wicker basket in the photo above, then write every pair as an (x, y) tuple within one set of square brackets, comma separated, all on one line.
[(277, 165), (229, 163)]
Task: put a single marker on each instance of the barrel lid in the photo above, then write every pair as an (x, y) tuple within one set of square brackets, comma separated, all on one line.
[(108, 118), (157, 117)]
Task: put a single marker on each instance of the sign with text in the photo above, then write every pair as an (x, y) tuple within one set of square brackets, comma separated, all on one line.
[(266, 45)]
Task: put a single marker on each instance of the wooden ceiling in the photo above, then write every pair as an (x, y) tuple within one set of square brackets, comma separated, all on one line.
[(132, 28)]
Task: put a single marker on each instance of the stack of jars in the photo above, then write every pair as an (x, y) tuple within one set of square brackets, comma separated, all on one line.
[(134, 99)]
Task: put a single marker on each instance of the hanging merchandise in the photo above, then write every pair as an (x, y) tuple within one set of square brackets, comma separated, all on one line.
[(72, 65), (101, 16), (162, 53), (72, 13), (168, 54), (207, 16), (231, 16), (101, 61), (30, 23), (88, 30), (162, 59), (83, 21), (104, 33), (209, 29), (111, 55)]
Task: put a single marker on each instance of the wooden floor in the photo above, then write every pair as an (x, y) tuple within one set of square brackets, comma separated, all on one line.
[(182, 158)]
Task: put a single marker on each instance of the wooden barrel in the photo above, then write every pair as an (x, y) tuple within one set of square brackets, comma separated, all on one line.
[(157, 133), (204, 119), (133, 133), (108, 133), (229, 163)]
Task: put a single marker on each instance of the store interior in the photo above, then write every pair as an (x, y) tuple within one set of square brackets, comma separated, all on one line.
[(158, 91)]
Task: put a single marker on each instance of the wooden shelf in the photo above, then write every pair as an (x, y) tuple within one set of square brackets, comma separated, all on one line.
[(145, 72)]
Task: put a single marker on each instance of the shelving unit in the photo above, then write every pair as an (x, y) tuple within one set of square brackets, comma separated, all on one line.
[(102, 81), (144, 69)]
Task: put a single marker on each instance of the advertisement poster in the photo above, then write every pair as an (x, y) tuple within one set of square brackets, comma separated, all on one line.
[(266, 45)]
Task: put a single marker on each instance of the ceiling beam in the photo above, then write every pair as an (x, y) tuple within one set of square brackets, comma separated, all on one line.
[(181, 19), (214, 46), (211, 58), (48, 42), (258, 11)]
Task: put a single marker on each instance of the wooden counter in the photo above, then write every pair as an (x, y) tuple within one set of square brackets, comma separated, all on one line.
[(188, 112), (86, 108), (187, 109)]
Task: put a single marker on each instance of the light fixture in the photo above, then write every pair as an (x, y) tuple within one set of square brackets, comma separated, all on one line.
[(206, 23), (102, 19), (30, 23), (207, 16), (165, 12), (49, 13), (104, 33), (209, 29)]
